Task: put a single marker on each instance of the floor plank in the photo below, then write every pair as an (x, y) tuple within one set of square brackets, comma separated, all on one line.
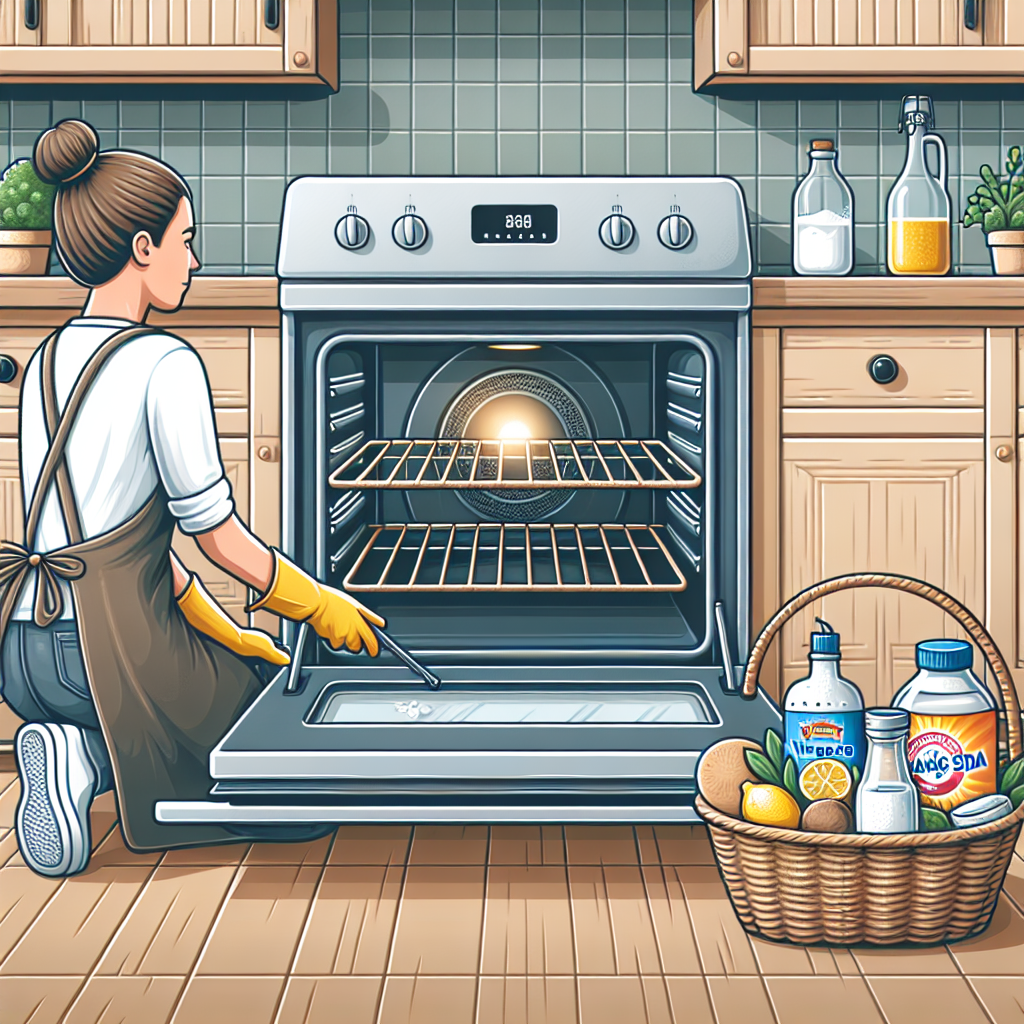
[(683, 844), (672, 924), (845, 1001), (132, 1000), (527, 844), (739, 1000), (426, 1000), (601, 844), (330, 1000), (621, 999), (248, 1000), (23, 894), (1002, 997), (723, 944), (449, 844), (936, 1000), (371, 844), (526, 1000), (999, 949), (311, 854), (37, 1000)]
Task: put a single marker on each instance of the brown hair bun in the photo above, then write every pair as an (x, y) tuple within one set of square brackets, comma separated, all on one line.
[(63, 153)]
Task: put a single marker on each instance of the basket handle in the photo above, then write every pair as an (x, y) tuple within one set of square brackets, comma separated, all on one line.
[(979, 634)]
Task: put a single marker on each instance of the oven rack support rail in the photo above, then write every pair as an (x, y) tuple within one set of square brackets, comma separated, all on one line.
[(492, 557), (518, 465)]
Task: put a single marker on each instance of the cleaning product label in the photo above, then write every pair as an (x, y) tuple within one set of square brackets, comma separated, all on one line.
[(952, 757), (811, 736)]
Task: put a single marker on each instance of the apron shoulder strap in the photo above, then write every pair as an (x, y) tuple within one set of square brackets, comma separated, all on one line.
[(55, 464)]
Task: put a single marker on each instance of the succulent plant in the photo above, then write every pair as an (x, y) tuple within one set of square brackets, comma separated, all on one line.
[(998, 204), (26, 204)]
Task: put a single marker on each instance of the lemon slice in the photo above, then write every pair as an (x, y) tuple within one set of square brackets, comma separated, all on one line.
[(826, 779)]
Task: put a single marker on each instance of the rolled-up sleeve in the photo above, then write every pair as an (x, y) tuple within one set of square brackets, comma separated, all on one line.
[(184, 441)]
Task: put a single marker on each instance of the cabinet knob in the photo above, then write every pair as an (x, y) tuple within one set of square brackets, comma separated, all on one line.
[(267, 453), (301, 59), (735, 59), (883, 369), (1004, 452), (8, 369)]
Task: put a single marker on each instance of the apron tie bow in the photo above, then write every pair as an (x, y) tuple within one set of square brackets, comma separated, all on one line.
[(15, 564)]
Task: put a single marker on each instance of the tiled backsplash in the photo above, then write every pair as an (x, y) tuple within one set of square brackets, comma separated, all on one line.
[(526, 87)]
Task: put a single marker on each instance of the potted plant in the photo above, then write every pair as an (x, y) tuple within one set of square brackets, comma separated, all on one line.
[(26, 221), (998, 206)]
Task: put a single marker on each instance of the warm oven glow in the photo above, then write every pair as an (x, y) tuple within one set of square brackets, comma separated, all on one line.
[(516, 347), (514, 430)]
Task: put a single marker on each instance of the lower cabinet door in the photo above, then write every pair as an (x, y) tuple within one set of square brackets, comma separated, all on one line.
[(910, 506)]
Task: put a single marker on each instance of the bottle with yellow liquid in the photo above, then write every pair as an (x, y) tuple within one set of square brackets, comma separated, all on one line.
[(918, 217)]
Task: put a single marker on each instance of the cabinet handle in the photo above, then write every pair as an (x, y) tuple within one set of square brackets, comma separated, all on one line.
[(31, 15), (8, 369), (883, 369), (267, 453), (1004, 452), (272, 14), (971, 14)]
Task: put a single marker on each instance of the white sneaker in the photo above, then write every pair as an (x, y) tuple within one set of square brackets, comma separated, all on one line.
[(58, 782)]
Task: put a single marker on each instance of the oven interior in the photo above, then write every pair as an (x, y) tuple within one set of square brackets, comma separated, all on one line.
[(526, 493)]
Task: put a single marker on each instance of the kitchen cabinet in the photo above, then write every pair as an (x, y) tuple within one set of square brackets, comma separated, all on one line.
[(892, 41), (163, 41)]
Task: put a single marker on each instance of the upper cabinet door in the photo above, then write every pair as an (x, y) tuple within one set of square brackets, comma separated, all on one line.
[(165, 41), (912, 41)]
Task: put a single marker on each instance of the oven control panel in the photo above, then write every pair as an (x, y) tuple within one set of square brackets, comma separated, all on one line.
[(343, 228)]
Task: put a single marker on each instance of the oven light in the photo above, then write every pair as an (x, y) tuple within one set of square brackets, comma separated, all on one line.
[(514, 430), (517, 347)]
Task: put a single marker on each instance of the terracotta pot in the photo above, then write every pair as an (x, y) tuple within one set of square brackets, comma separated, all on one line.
[(1007, 249), (25, 252)]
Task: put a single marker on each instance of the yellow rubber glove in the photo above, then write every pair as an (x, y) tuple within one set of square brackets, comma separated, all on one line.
[(204, 614), (335, 616)]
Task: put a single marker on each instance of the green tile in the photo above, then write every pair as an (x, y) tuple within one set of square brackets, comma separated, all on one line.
[(432, 106), (264, 152), (141, 115), (646, 106), (392, 154), (774, 244), (691, 153), (604, 152), (223, 114), (437, 16), (354, 58), (476, 152), (974, 249), (1013, 115), (433, 153), (604, 106), (680, 60), (647, 153), (391, 107), (604, 58), (865, 199), (476, 106), (978, 114), (195, 184), (5, 113), (518, 16), (561, 106), (478, 16), (858, 152), (737, 114), (518, 58), (517, 108), (947, 115), (646, 16), (353, 17), (139, 141), (737, 153), (476, 58), (102, 114), (222, 199), (261, 244), (689, 110), (264, 198), (561, 153), (348, 152), (561, 58), (646, 59), (748, 186), (518, 153), (390, 59), (267, 113), (220, 243), (777, 114), (607, 17), (307, 152), (777, 152), (350, 107), (819, 114), (775, 200), (390, 16), (561, 16), (26, 114), (865, 245), (222, 152), (433, 58), (858, 114), (894, 152), (980, 148), (680, 16), (308, 113), (23, 143)]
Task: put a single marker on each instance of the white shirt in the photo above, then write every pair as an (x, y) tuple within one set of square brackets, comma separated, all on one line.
[(147, 421)]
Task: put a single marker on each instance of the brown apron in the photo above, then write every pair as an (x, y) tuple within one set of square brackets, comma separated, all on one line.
[(165, 694)]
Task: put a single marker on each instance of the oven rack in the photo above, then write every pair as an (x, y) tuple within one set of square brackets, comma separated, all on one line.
[(506, 557), (518, 465)]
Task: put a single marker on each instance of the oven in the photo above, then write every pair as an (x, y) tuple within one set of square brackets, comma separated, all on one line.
[(516, 424)]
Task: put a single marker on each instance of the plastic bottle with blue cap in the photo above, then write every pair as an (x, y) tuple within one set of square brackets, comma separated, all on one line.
[(952, 748), (824, 711)]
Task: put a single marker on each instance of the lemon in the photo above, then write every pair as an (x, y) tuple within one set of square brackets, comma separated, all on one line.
[(764, 804), (826, 779)]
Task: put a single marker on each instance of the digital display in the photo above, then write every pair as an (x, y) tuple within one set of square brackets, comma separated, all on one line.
[(532, 225)]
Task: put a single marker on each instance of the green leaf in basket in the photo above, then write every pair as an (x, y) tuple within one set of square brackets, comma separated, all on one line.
[(773, 748), (1017, 796), (935, 820), (1013, 775), (856, 776), (762, 767), (790, 782)]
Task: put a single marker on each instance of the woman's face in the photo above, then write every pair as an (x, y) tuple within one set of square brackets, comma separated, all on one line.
[(172, 263)]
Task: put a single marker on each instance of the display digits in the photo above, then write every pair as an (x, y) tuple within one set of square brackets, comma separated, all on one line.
[(518, 220)]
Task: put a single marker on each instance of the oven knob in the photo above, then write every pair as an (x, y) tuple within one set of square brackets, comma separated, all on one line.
[(352, 231), (410, 230), (675, 231), (616, 231)]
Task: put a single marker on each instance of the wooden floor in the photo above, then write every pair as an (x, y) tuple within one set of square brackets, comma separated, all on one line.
[(477, 925)]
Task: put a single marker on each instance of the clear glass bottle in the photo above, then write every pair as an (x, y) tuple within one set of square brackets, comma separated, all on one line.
[(823, 216), (918, 218), (887, 799)]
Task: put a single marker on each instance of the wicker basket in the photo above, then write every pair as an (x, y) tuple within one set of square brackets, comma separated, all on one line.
[(922, 887)]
